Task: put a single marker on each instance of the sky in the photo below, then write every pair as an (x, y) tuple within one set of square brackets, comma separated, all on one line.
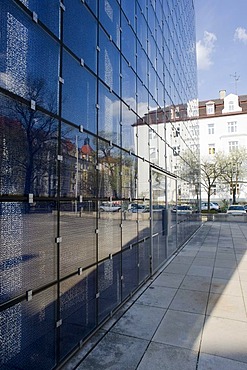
[(221, 44)]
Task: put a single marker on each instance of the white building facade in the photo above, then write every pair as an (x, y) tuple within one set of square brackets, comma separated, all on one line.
[(223, 129)]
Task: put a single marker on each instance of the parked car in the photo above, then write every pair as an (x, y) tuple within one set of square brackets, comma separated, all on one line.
[(137, 208), (236, 209), (213, 206), (182, 209), (110, 207)]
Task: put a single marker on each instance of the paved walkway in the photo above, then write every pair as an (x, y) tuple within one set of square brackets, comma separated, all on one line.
[(191, 316)]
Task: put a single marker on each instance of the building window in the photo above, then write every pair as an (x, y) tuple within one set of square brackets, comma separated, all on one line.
[(153, 154), (211, 128), (233, 145), (210, 108), (232, 127), (211, 149), (231, 106), (152, 134)]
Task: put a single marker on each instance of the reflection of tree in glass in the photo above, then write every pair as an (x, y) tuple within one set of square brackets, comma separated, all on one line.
[(31, 140), (109, 160), (78, 165)]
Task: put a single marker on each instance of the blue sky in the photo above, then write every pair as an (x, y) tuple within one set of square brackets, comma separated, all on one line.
[(221, 35)]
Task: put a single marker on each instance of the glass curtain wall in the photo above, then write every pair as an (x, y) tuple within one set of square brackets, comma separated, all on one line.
[(98, 149)]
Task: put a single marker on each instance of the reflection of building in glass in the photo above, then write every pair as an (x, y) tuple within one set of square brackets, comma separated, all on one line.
[(99, 139)]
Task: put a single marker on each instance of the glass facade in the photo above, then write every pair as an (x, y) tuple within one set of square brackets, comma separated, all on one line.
[(99, 154)]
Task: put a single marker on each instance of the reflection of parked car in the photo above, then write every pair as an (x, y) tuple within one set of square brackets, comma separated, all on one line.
[(109, 207), (158, 207), (236, 209), (137, 208), (212, 206), (182, 209)]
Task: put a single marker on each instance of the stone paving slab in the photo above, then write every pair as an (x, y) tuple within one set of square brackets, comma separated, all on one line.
[(162, 356), (115, 352), (192, 315)]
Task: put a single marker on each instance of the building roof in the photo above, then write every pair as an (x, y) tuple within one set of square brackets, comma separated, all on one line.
[(219, 106)]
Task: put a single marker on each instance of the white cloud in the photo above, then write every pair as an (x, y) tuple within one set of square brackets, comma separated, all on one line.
[(204, 49), (240, 34)]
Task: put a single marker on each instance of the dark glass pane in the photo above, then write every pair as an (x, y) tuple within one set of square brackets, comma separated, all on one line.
[(78, 173), (129, 271), (92, 4), (109, 63), (30, 343), (78, 309), (109, 116), (144, 260), (109, 15), (109, 158), (28, 146), (79, 94), (80, 30), (28, 250), (48, 11), (109, 274), (77, 229), (29, 58)]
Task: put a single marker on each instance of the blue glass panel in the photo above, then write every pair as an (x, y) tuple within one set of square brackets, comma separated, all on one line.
[(142, 64), (142, 29), (128, 43), (29, 62), (129, 10), (109, 16), (48, 11), (109, 63), (80, 30), (129, 86), (79, 94)]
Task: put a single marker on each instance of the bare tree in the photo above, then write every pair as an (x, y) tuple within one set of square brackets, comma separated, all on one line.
[(211, 172), (234, 170), (31, 138)]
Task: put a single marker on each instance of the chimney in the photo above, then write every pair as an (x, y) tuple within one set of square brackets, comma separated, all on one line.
[(222, 94)]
